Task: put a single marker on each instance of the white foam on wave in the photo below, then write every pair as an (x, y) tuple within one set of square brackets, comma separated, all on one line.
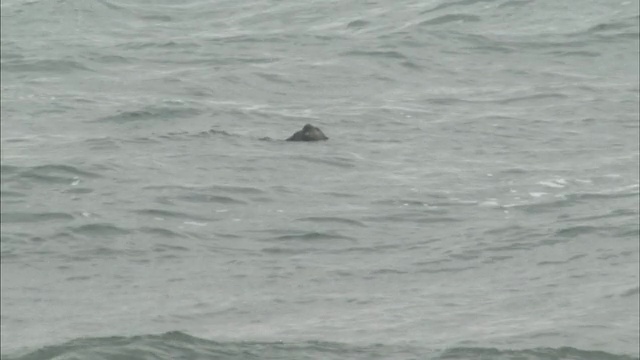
[(557, 183), (490, 203)]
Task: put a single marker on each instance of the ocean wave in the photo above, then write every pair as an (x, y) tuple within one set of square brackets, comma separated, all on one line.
[(46, 174), (57, 66), (179, 345), (149, 113)]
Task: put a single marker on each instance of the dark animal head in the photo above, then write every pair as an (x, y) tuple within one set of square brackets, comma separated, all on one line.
[(308, 133)]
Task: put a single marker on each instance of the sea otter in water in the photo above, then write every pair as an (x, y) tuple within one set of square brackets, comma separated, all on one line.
[(308, 133)]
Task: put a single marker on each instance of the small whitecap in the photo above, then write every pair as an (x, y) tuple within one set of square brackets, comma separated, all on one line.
[(86, 214), (537, 194), (76, 181), (490, 203), (551, 184), (222, 210), (158, 219), (194, 223), (489, 174)]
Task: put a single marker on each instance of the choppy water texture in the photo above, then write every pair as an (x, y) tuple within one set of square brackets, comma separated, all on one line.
[(477, 199)]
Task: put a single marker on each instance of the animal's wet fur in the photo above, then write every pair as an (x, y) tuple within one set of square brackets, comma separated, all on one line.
[(308, 133)]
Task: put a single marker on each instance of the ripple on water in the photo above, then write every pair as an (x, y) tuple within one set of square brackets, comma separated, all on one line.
[(26, 217), (152, 113), (329, 219), (311, 236), (97, 230), (47, 174), (167, 214), (161, 232)]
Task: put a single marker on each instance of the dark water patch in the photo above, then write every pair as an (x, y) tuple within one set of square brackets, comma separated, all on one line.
[(276, 250), (412, 217), (253, 38), (24, 217), (515, 3), (617, 26), (560, 262), (67, 170), (454, 3), (160, 232), (529, 99), (544, 207), (215, 133), (449, 101), (105, 143), (111, 59), (388, 272), (624, 213), (114, 6), (227, 235), (582, 53), (168, 45), (451, 269), (450, 18), (276, 78), (329, 219), (178, 345), (243, 190), (208, 194), (56, 66), (8, 194), (545, 44), (157, 17), (214, 199), (481, 44), (529, 354), (339, 195), (577, 231), (410, 203), (336, 161), (633, 232), (493, 259), (357, 24), (167, 214), (311, 236), (97, 230), (6, 170), (525, 241), (603, 195), (79, 278), (631, 292), (376, 54), (411, 65), (48, 174), (152, 113), (170, 248), (509, 231), (375, 249), (78, 190)]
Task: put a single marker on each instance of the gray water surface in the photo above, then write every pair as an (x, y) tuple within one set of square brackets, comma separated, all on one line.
[(477, 199)]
